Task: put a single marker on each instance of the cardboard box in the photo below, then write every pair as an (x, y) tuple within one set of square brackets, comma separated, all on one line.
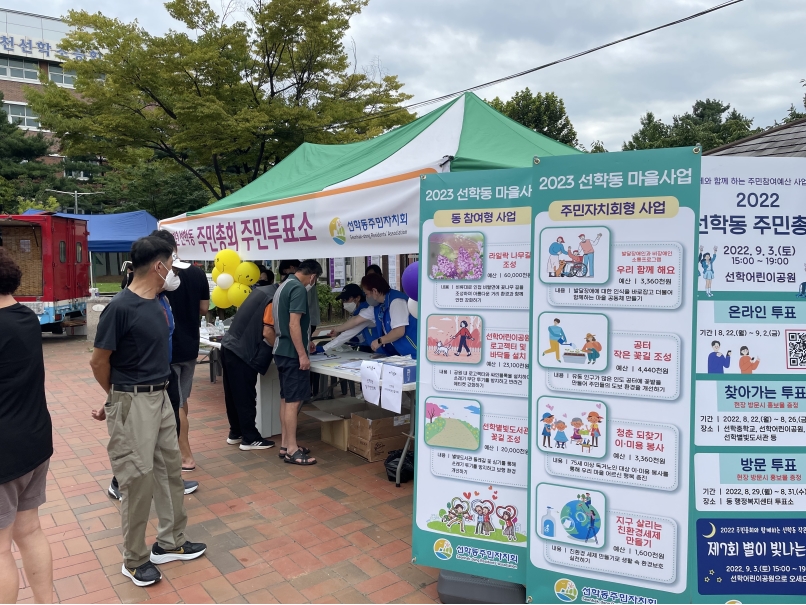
[(335, 418), (376, 423), (409, 368), (377, 449)]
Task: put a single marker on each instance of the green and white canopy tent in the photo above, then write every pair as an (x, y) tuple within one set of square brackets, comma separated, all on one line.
[(359, 199)]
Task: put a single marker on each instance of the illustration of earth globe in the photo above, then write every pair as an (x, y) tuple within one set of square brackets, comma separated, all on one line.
[(575, 519)]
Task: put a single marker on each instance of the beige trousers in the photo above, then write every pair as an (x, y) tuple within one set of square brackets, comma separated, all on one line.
[(144, 453)]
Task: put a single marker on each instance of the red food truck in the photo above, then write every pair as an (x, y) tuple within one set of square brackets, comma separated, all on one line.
[(54, 257)]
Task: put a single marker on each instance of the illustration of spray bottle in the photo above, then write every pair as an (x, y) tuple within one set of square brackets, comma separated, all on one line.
[(547, 523)]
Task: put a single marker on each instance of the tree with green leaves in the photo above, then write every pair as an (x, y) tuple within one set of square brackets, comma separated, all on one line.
[(225, 103), (543, 113), (710, 123), (20, 160), (157, 187)]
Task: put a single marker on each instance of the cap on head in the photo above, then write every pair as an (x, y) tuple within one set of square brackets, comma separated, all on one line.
[(351, 291)]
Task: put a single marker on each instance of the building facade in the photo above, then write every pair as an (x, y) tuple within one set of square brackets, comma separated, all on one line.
[(30, 45)]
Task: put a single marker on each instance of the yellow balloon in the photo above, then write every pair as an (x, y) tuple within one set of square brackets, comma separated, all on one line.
[(247, 273), (220, 298), (227, 261), (237, 293), (215, 274)]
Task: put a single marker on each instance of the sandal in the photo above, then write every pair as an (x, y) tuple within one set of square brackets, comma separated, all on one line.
[(300, 458), (284, 451)]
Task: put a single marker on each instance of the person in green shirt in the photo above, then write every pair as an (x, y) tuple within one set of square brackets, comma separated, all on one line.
[(292, 342)]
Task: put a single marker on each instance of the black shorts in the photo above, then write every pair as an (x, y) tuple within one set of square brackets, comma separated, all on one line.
[(295, 384)]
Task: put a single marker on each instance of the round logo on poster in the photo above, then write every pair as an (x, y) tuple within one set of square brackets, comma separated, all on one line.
[(443, 549), (566, 590), (337, 231)]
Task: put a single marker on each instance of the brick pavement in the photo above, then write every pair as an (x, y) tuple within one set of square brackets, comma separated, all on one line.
[(337, 532)]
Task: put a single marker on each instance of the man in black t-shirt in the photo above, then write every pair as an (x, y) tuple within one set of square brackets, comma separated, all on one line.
[(26, 443), (189, 302), (131, 362)]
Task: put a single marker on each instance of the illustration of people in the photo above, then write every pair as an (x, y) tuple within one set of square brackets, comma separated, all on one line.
[(747, 364), (560, 438), (509, 519), (802, 289), (591, 526), (716, 361), (577, 423), (548, 421), (463, 335), (592, 347), (457, 514), (594, 418), (588, 500), (553, 264), (706, 261), (488, 522), (479, 510), (586, 248), (556, 338)]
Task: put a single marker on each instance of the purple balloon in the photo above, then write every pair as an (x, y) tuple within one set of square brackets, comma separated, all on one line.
[(410, 280)]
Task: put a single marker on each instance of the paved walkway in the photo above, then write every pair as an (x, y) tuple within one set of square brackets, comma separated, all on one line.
[(334, 532)]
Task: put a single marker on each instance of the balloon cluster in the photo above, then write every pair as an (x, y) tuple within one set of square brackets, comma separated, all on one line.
[(233, 279)]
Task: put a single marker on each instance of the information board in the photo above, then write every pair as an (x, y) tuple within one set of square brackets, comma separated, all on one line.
[(646, 311), (470, 512), (750, 425), (612, 339)]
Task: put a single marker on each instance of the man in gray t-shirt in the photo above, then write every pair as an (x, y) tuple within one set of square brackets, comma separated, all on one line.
[(291, 346)]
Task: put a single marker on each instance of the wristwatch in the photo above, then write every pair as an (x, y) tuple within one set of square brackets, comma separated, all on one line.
[(380, 342)]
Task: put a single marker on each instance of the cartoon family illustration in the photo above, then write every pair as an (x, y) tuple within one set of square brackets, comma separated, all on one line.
[(482, 511), (580, 261), (584, 435), (705, 268), (590, 350), (718, 363)]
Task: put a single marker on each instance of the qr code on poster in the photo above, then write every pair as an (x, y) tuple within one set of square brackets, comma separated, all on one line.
[(796, 349)]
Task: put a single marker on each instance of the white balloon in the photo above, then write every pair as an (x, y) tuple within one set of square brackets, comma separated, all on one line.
[(224, 281), (413, 308)]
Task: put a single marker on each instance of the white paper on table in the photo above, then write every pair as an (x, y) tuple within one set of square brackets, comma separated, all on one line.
[(371, 381), (323, 333), (392, 388)]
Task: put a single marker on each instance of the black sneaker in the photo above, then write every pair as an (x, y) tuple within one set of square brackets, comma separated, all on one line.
[(145, 575), (189, 550), (261, 444), (114, 491), (234, 439), (191, 486)]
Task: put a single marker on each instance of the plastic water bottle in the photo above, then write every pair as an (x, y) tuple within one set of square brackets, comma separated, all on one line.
[(203, 331), (203, 323)]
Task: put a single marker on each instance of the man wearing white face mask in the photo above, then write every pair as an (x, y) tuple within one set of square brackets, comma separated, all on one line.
[(131, 363), (292, 344)]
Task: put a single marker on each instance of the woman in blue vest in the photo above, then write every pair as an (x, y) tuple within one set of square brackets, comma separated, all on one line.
[(398, 329), (355, 303)]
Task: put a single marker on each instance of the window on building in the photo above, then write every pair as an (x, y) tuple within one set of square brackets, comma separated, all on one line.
[(61, 76), (19, 68), (21, 115), (79, 253), (62, 251)]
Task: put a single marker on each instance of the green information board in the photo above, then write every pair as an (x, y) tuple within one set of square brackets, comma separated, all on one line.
[(470, 510), (612, 336), (611, 404)]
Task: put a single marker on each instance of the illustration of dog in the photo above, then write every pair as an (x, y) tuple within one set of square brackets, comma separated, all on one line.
[(442, 349)]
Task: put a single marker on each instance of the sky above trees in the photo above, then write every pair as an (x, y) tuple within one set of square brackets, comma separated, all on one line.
[(746, 55)]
